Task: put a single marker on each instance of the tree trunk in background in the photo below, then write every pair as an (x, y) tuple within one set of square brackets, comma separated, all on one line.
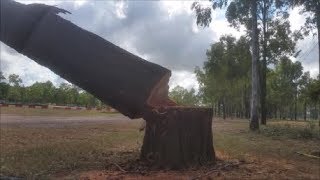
[(295, 106), (224, 109), (219, 114), (178, 137), (305, 110), (254, 120), (264, 68), (315, 110)]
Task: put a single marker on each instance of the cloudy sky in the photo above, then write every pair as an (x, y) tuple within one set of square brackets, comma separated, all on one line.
[(163, 32)]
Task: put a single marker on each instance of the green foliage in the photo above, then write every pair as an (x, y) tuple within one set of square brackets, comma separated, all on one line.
[(203, 14), (14, 80), (184, 97), (4, 90), (2, 77), (225, 78), (313, 90), (45, 92)]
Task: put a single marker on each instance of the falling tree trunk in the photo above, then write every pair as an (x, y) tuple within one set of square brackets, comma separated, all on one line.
[(254, 120), (176, 137)]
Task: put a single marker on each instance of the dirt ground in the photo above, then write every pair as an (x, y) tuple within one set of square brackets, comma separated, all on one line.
[(107, 147)]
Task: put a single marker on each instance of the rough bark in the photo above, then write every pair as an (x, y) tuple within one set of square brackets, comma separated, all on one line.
[(118, 78), (177, 137), (254, 119)]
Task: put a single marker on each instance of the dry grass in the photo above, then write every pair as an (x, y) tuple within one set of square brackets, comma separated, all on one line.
[(42, 152), (92, 150)]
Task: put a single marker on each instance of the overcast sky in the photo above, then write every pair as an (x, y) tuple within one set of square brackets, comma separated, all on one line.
[(163, 32)]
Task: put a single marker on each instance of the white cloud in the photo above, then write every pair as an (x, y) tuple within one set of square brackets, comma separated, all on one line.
[(184, 79), (79, 3), (30, 72), (177, 7), (120, 9)]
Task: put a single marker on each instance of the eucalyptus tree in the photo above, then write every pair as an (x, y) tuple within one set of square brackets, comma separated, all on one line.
[(275, 37), (284, 83), (314, 95), (4, 87), (15, 90), (304, 98), (14, 80), (224, 79), (183, 96), (204, 19)]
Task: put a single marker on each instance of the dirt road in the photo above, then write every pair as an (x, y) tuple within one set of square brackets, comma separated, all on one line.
[(56, 121)]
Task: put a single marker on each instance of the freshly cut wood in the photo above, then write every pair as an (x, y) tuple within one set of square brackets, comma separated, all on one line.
[(115, 76), (176, 137)]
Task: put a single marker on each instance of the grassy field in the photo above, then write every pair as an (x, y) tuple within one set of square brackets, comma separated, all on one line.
[(95, 151)]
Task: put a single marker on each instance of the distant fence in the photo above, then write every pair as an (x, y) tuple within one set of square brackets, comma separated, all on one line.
[(39, 106)]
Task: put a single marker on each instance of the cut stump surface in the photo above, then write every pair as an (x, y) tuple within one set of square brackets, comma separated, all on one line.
[(177, 137)]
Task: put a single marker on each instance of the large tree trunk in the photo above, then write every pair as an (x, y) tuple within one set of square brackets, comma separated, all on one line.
[(176, 137), (254, 120)]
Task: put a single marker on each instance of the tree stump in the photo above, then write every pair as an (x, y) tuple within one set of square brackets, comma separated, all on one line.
[(177, 137)]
